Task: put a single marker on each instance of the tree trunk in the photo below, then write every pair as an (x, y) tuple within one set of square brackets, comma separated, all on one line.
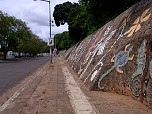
[(5, 53), (19, 54)]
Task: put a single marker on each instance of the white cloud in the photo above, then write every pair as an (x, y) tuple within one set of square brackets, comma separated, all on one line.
[(35, 14)]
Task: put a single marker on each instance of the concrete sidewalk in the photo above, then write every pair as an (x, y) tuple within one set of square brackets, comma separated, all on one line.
[(56, 89)]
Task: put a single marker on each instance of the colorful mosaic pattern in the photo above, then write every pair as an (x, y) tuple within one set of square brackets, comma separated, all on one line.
[(90, 57), (120, 60), (96, 70), (150, 68), (108, 34), (98, 50), (137, 23), (136, 86), (141, 60)]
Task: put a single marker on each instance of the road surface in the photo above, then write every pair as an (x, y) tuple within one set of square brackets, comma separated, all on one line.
[(56, 89), (12, 72)]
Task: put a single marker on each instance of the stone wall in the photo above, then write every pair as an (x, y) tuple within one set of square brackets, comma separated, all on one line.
[(118, 56)]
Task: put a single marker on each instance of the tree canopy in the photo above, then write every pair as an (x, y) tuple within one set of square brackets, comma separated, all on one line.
[(87, 16), (63, 41), (16, 36)]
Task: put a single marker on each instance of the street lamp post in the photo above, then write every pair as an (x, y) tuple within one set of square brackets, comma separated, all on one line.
[(49, 24)]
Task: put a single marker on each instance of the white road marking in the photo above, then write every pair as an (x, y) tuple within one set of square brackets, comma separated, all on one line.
[(18, 92), (78, 99)]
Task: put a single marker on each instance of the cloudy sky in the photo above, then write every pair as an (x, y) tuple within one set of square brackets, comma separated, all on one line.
[(35, 14)]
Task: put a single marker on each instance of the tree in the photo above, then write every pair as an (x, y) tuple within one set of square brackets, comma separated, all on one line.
[(16, 36), (60, 13), (66, 13), (7, 29), (63, 41), (32, 45), (89, 15), (103, 11), (81, 24)]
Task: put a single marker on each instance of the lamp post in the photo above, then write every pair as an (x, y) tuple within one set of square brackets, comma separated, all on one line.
[(48, 1)]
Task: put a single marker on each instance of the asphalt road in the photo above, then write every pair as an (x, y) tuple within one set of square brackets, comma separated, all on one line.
[(12, 72)]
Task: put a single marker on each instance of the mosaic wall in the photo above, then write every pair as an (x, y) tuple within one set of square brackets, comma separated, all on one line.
[(118, 56)]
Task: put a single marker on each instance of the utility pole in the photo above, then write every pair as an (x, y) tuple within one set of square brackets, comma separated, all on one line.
[(48, 1)]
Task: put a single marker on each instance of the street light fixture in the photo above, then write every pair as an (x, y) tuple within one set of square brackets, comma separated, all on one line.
[(49, 23)]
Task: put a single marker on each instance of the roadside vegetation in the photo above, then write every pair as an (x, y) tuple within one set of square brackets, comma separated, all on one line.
[(85, 17), (17, 37)]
